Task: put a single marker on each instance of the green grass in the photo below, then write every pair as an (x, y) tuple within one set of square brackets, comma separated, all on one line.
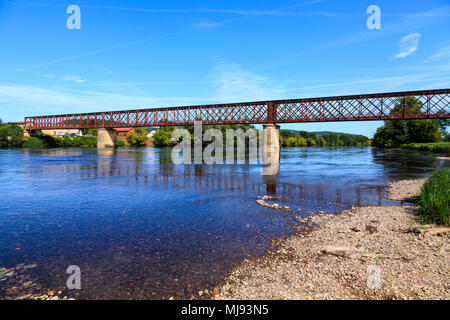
[(438, 147), (434, 201)]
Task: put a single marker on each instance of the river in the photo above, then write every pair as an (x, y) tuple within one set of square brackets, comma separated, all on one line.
[(140, 227)]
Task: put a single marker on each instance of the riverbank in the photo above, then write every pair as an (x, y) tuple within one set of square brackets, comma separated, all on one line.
[(362, 253), (436, 147)]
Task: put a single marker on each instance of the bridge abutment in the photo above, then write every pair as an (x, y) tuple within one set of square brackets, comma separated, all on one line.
[(271, 149), (106, 138), (29, 133)]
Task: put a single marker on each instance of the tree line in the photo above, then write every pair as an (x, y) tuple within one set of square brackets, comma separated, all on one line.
[(162, 137), (396, 133), (330, 139)]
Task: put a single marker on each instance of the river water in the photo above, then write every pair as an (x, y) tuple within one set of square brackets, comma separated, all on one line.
[(140, 227)]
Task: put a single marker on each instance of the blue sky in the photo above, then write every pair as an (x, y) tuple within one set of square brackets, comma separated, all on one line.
[(143, 54)]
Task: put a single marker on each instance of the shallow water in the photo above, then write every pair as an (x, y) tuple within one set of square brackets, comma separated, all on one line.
[(141, 227)]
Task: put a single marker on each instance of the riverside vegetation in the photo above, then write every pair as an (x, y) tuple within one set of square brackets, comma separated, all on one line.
[(425, 135), (434, 199), (289, 138)]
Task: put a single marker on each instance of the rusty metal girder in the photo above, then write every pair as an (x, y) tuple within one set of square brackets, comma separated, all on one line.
[(434, 104)]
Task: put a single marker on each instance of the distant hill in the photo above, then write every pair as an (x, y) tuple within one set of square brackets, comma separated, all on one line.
[(320, 133)]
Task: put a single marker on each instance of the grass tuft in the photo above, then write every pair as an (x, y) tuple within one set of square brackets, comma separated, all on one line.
[(434, 201)]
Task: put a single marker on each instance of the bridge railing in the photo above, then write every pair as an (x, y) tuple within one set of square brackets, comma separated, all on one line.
[(384, 106)]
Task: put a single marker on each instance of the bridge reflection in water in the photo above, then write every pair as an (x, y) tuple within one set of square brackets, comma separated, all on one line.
[(155, 171)]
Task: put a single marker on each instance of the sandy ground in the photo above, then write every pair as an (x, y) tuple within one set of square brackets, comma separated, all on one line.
[(362, 253)]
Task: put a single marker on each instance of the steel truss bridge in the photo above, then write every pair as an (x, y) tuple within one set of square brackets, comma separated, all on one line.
[(434, 104)]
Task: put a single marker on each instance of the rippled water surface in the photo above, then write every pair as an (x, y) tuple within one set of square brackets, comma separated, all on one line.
[(139, 226)]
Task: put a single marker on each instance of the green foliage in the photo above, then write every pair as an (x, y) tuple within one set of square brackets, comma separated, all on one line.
[(33, 142), (446, 137), (311, 142), (438, 147), (443, 125), (303, 138), (434, 202), (90, 131), (120, 143), (47, 141), (137, 138), (141, 131), (162, 137), (398, 132), (424, 131), (11, 136), (77, 142)]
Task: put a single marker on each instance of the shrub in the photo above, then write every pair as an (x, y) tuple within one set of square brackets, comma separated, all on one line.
[(162, 137), (434, 201), (11, 136), (33, 142), (136, 140)]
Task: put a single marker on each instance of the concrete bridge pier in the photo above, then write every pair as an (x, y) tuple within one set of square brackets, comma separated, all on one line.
[(29, 133), (106, 138), (271, 149)]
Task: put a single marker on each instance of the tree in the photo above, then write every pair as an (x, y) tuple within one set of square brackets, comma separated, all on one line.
[(11, 136), (33, 142), (443, 125), (162, 137), (423, 131), (311, 142), (92, 131), (397, 132)]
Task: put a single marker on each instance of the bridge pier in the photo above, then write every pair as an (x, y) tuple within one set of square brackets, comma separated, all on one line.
[(106, 138), (29, 133), (271, 149)]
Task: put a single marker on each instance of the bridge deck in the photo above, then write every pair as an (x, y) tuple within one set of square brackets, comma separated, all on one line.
[(434, 104)]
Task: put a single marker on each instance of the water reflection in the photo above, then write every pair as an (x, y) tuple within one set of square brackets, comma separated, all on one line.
[(142, 227), (138, 167)]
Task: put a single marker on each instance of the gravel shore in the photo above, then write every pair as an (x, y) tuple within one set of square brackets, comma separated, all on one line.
[(404, 190), (361, 253)]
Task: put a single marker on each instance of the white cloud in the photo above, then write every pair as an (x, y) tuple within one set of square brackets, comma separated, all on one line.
[(76, 79), (442, 54), (408, 45), (233, 83), (230, 81), (18, 101)]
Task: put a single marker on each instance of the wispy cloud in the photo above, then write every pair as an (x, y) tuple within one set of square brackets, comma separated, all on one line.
[(76, 79), (408, 45), (250, 14), (19, 101), (230, 82), (442, 54), (233, 83), (387, 83)]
